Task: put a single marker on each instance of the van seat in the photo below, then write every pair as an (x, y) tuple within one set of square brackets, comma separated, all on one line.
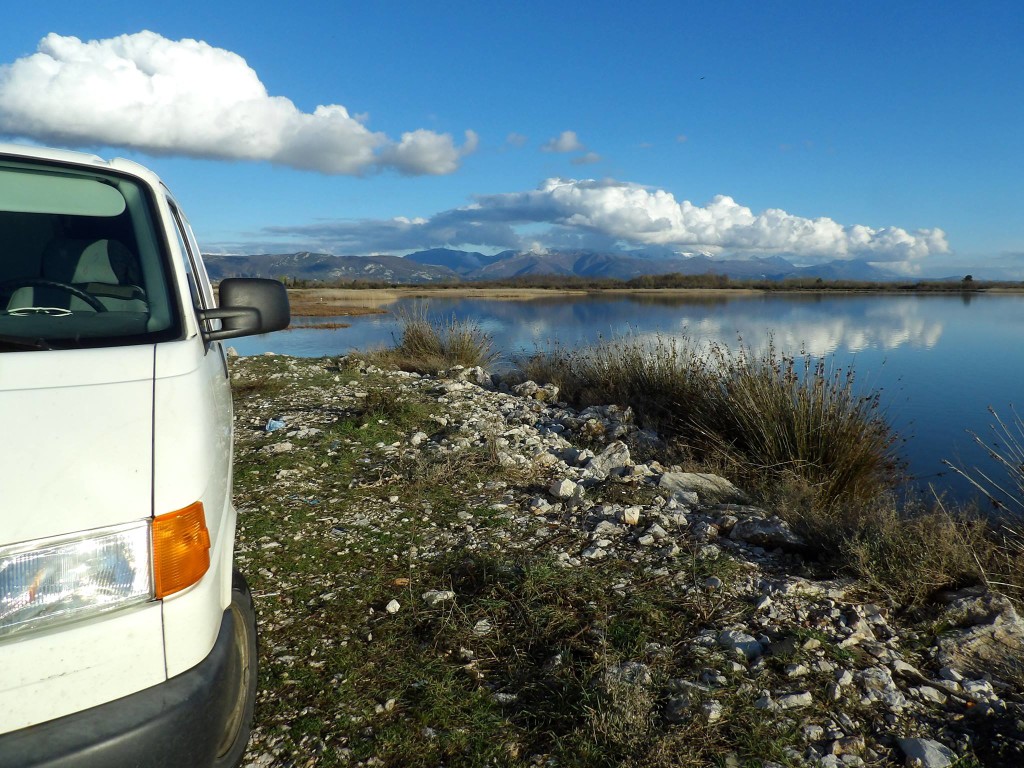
[(103, 268)]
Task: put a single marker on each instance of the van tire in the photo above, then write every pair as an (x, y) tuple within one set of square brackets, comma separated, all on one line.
[(237, 728)]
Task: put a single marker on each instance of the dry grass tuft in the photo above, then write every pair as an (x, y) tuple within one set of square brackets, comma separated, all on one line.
[(770, 417), (910, 554), (1005, 496), (430, 345)]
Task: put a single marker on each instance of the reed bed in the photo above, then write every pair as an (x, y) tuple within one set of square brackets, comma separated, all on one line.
[(764, 415)]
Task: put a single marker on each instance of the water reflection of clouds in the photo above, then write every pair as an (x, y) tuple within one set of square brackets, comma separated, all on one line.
[(537, 328), (821, 333), (812, 324), (824, 338)]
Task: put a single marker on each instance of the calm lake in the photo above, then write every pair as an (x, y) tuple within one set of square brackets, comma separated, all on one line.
[(940, 361)]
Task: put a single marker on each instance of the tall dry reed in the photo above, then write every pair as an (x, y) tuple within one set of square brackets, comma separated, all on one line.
[(1002, 486), (804, 417), (774, 416), (428, 345)]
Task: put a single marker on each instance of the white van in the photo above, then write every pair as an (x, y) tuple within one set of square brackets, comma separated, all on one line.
[(126, 637)]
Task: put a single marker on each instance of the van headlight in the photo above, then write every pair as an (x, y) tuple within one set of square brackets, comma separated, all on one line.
[(53, 581)]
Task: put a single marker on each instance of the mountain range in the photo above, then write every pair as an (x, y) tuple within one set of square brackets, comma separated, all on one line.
[(449, 265)]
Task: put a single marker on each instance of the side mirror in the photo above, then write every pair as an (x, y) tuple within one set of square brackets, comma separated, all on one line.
[(248, 305)]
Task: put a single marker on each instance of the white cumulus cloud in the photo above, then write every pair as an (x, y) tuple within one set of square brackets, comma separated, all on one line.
[(611, 214), (637, 215), (422, 152), (186, 97)]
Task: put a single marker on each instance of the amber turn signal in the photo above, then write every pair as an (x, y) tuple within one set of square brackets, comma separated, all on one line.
[(181, 549)]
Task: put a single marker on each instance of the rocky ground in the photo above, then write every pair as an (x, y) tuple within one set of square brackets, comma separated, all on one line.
[(448, 574)]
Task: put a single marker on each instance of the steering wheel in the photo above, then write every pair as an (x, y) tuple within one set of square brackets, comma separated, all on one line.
[(43, 282)]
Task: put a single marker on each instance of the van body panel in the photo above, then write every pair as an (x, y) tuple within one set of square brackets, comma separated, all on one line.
[(192, 618), (177, 724), (68, 407), (60, 410), (50, 674), (192, 462)]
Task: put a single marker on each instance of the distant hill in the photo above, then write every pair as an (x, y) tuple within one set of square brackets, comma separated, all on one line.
[(445, 264), (462, 262), (324, 266)]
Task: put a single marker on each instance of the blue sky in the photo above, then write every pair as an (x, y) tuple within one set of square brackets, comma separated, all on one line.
[(888, 132)]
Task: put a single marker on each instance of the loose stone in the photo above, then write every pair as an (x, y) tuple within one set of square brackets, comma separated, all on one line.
[(436, 596), (562, 489), (927, 753)]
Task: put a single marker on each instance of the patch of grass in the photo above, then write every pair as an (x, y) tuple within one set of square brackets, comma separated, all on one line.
[(242, 388), (427, 685), (429, 345), (555, 635), (399, 410), (902, 549), (545, 648), (272, 375), (911, 553)]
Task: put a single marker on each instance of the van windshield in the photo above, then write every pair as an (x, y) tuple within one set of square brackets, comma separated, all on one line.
[(81, 262)]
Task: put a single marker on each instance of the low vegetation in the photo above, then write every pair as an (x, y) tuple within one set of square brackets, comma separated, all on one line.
[(520, 667), (429, 345), (805, 441), (793, 430)]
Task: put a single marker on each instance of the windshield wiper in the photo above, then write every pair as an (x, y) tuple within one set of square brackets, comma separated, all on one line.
[(22, 342)]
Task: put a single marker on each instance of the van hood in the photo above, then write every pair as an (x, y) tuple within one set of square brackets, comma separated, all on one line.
[(76, 430)]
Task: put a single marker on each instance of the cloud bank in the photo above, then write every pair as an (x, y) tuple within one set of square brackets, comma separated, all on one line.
[(608, 213), (186, 97)]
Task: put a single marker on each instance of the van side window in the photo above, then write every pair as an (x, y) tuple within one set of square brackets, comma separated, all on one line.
[(198, 282), (198, 268), (193, 287)]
